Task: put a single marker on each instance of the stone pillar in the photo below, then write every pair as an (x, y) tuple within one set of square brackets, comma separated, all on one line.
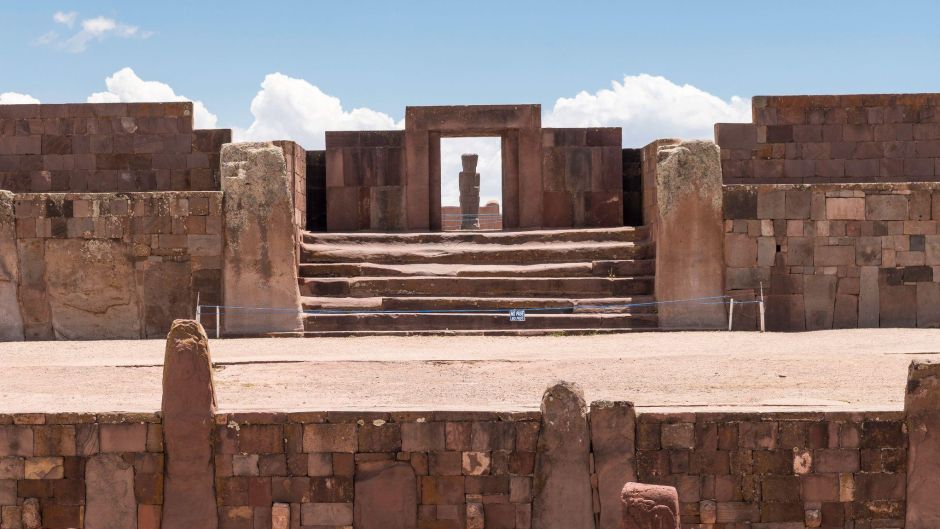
[(688, 232), (613, 442), (650, 507), (922, 408), (469, 193), (563, 498), (188, 419), (259, 260), (11, 321)]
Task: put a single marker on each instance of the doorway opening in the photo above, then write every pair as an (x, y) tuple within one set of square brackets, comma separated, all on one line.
[(471, 184)]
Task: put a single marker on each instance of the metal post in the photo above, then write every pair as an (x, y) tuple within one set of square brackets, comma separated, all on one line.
[(218, 319), (730, 313)]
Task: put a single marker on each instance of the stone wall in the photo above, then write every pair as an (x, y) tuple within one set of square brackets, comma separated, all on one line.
[(81, 470), (115, 265), (822, 139), (778, 470), (107, 147), (316, 190), (296, 158), (582, 178), (632, 187), (835, 256), (365, 181)]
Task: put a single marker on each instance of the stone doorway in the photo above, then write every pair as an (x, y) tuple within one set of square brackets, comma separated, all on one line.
[(471, 184)]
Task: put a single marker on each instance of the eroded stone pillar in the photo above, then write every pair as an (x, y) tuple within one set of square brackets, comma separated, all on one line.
[(469, 193), (188, 417), (562, 484), (922, 408), (650, 507), (689, 233), (11, 321), (259, 260), (613, 432)]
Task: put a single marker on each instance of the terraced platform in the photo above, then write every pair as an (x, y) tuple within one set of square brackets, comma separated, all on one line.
[(569, 281)]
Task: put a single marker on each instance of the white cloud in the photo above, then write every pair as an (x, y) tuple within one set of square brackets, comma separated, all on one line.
[(124, 86), (91, 29), (289, 108), (66, 19), (648, 107), (14, 98)]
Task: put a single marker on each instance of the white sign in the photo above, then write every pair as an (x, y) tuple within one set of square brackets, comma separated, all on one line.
[(516, 314)]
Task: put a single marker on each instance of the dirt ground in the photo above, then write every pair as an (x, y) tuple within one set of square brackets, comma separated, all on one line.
[(829, 370)]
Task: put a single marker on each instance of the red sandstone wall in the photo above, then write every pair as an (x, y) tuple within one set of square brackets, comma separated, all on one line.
[(365, 181), (296, 158), (107, 147), (821, 139), (97, 266), (835, 256)]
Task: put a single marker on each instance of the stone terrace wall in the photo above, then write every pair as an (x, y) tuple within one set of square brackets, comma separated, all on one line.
[(469, 469), (80, 470), (107, 147), (113, 265), (849, 138), (836, 470), (835, 256), (296, 158), (582, 179), (365, 180)]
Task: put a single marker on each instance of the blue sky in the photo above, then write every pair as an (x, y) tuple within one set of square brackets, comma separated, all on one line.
[(318, 61)]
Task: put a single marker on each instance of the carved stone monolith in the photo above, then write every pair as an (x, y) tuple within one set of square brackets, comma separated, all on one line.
[(469, 193), (650, 507), (563, 498), (613, 441), (188, 419)]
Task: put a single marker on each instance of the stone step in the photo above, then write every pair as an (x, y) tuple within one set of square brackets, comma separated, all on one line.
[(633, 305), (473, 322), (431, 286), (473, 253), (622, 234), (623, 268)]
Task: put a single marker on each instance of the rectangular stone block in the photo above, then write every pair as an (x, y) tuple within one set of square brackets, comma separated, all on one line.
[(886, 207), (330, 438), (845, 208)]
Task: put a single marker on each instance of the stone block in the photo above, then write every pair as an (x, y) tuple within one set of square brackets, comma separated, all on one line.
[(845, 208), (928, 305), (330, 438), (650, 507), (869, 302), (846, 312), (898, 306), (834, 256), (741, 203), (422, 436), (11, 321), (785, 312), (886, 207), (327, 514), (110, 499), (771, 204), (613, 427), (385, 495), (736, 135), (819, 295), (123, 437), (740, 251), (868, 251)]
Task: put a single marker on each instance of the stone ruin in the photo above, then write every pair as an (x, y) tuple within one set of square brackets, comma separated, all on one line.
[(469, 182), (117, 218)]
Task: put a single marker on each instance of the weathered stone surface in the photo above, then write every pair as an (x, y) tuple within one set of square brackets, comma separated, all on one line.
[(562, 482), (928, 304), (922, 409), (386, 496), (280, 516), (613, 430), (869, 301), (188, 409), (11, 322), (650, 507), (819, 301), (109, 491), (32, 518), (690, 234), (91, 290), (260, 254)]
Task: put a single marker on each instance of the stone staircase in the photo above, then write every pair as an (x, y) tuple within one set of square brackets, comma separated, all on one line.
[(381, 283)]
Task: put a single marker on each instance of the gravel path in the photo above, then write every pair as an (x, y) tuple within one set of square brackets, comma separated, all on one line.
[(829, 370)]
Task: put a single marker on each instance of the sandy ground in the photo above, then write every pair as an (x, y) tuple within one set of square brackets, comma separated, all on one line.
[(831, 370)]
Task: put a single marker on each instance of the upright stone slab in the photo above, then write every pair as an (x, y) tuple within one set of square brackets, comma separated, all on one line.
[(385, 496), (109, 493), (613, 432), (922, 408), (11, 321), (689, 233), (562, 483), (259, 260), (650, 507), (188, 409)]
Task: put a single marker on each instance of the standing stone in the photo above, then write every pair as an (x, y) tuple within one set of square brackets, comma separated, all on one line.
[(689, 232), (188, 409), (385, 496), (469, 193), (922, 408), (259, 261), (32, 518), (650, 507), (11, 322), (613, 430), (280, 516), (109, 492), (562, 484)]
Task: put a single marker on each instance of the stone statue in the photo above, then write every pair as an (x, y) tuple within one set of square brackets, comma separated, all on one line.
[(650, 507), (469, 193)]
